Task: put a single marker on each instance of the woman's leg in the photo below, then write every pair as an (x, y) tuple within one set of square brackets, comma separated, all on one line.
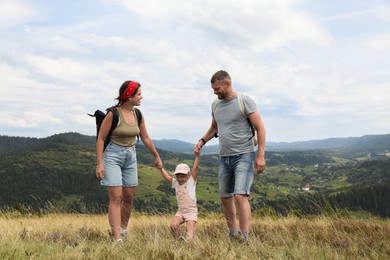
[(127, 205), (114, 210)]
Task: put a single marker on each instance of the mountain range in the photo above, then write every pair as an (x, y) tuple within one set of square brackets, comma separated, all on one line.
[(364, 144)]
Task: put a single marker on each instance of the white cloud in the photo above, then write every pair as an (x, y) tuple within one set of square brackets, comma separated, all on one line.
[(380, 11), (30, 119), (15, 12), (258, 25), (379, 42), (290, 56)]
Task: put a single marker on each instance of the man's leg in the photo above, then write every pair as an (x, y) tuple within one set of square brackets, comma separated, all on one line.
[(243, 169), (226, 188), (244, 213), (229, 210)]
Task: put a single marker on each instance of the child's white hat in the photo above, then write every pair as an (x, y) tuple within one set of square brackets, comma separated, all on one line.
[(182, 168)]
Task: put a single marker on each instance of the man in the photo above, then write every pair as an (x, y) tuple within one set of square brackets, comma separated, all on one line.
[(238, 158)]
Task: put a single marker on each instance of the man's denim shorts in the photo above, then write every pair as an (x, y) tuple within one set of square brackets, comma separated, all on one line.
[(236, 174), (120, 166)]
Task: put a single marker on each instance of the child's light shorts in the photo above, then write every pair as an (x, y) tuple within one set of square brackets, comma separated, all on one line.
[(188, 215)]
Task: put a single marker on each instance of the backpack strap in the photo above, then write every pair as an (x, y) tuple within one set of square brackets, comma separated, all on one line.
[(115, 118), (114, 124), (138, 114), (243, 111), (241, 104), (215, 104), (213, 107)]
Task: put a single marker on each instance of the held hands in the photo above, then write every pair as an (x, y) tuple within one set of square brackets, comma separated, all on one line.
[(99, 172), (198, 146), (158, 163)]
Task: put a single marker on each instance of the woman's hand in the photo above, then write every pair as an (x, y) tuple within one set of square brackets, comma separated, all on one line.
[(100, 171)]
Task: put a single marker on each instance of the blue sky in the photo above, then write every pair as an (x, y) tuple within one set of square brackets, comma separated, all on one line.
[(316, 69)]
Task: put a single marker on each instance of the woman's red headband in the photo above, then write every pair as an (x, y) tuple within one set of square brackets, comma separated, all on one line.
[(129, 91)]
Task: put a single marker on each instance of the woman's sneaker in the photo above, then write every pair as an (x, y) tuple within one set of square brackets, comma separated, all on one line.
[(123, 233)]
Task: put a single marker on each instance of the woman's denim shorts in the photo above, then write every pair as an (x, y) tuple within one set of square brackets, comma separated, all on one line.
[(236, 174), (120, 166)]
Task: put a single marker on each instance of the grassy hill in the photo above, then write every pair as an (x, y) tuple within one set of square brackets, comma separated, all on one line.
[(64, 236)]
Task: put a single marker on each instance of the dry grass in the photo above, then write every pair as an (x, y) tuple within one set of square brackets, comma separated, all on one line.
[(60, 236)]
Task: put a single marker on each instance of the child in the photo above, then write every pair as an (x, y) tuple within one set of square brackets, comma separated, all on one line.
[(185, 185)]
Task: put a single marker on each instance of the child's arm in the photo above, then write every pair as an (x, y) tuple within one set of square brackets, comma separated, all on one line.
[(195, 166), (166, 176)]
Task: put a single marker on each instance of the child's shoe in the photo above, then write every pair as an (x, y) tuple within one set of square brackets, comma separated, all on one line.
[(181, 238), (119, 241)]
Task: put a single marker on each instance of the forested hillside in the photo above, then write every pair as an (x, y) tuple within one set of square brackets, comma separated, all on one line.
[(57, 173)]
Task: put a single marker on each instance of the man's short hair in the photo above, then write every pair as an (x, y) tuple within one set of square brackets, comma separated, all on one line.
[(220, 76)]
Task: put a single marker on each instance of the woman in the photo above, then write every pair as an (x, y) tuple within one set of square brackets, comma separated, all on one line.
[(117, 164)]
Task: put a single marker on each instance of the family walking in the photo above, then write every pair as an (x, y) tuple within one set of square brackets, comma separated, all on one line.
[(236, 122)]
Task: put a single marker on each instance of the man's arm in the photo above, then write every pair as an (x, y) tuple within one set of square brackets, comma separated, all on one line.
[(206, 137), (257, 123)]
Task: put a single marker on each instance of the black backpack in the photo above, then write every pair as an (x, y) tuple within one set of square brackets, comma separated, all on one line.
[(100, 115)]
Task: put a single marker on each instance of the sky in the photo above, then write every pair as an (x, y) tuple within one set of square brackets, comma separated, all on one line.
[(316, 69)]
